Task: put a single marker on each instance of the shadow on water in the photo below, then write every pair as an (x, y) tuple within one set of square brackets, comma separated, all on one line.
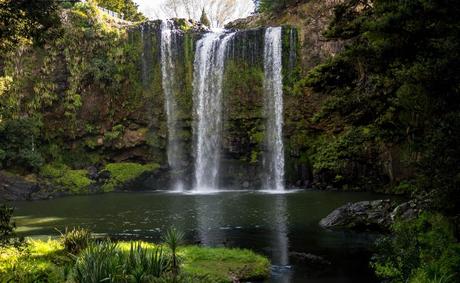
[(281, 226)]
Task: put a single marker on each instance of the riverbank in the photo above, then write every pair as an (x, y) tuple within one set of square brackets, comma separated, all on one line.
[(48, 261)]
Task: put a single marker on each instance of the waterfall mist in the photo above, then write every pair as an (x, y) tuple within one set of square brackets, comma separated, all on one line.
[(273, 89)]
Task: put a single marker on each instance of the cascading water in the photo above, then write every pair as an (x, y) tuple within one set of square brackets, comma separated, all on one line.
[(207, 87), (273, 89), (168, 53)]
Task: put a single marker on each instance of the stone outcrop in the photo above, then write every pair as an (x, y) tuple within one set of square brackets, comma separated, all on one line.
[(376, 215), (16, 188), (363, 215)]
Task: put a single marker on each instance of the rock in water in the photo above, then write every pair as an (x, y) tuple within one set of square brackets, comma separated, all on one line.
[(363, 215)]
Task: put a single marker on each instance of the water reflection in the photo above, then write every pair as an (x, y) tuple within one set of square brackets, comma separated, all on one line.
[(272, 224), (280, 242), (208, 221)]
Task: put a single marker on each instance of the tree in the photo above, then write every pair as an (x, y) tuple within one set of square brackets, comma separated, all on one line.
[(400, 75), (274, 6), (204, 18), (27, 21), (219, 12), (128, 8)]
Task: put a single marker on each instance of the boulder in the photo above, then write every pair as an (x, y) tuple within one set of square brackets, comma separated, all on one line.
[(14, 187), (409, 210), (363, 215)]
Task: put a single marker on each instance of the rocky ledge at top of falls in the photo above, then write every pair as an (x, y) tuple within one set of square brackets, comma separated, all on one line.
[(376, 215)]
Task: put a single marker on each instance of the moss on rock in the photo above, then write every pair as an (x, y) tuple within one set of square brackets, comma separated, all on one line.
[(60, 175), (121, 173)]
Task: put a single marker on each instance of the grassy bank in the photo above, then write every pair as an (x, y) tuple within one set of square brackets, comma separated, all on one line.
[(49, 261)]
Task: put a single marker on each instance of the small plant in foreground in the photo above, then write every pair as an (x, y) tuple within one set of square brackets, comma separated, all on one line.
[(7, 227), (76, 239), (173, 238), (109, 262), (143, 264), (99, 262)]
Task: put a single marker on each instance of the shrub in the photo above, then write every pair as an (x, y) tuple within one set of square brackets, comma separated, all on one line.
[(20, 142), (100, 262), (173, 238), (274, 6), (421, 250), (6, 225), (142, 263), (76, 239), (106, 261)]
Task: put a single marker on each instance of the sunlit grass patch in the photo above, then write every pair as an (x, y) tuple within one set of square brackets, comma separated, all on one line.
[(48, 261), (223, 264), (37, 261)]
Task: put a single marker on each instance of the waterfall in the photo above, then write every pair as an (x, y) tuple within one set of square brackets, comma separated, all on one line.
[(168, 72), (273, 88), (207, 93)]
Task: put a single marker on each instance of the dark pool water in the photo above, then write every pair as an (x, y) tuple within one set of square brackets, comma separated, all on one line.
[(276, 225)]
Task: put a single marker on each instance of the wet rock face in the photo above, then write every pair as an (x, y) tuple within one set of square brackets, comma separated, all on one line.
[(16, 188), (363, 215)]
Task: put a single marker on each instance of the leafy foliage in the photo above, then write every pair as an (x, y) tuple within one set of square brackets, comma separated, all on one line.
[(399, 74), (274, 6), (420, 250), (126, 7), (26, 20), (173, 238), (76, 239), (48, 261), (204, 18), (7, 226), (19, 143), (88, 57), (97, 263), (38, 261), (143, 264)]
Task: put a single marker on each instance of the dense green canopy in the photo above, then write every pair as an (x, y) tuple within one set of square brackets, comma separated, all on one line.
[(26, 20), (400, 77), (126, 7)]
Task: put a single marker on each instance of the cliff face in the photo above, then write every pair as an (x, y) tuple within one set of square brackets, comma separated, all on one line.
[(322, 149), (102, 99), (243, 97)]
